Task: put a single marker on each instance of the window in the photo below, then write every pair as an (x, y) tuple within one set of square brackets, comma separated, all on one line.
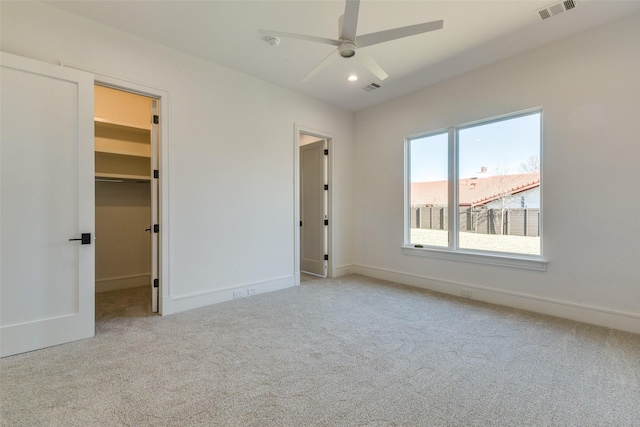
[(475, 189)]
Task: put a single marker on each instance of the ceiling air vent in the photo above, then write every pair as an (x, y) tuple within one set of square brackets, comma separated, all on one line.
[(372, 86), (557, 8)]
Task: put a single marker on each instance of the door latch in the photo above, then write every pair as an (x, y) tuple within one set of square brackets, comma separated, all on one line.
[(85, 239)]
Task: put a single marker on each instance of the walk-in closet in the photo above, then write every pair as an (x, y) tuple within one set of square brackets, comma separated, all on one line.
[(124, 148)]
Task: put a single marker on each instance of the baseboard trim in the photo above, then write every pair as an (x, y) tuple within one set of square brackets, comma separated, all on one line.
[(342, 270), (624, 321), (122, 282), (203, 299)]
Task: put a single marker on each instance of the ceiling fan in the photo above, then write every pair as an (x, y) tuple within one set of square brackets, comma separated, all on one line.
[(349, 45)]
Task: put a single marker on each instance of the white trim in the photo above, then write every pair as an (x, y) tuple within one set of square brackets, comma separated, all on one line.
[(620, 320), (342, 270), (202, 299), (541, 186), (118, 82), (329, 138), (406, 227), (487, 258), (296, 205), (162, 95)]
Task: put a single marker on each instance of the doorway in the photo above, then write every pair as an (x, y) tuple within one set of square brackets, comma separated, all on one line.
[(313, 205), (126, 196)]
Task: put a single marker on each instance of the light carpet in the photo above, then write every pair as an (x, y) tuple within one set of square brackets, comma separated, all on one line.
[(351, 351)]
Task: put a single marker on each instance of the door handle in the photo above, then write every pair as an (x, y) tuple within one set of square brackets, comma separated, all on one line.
[(85, 239), (148, 229)]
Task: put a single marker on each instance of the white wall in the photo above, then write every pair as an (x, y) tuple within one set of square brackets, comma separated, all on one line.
[(589, 89), (123, 247), (231, 189)]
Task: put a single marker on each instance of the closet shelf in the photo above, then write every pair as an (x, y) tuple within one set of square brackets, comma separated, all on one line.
[(99, 121), (122, 152), (122, 177)]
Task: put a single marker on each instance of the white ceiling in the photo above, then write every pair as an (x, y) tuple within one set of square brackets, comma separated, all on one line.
[(475, 33)]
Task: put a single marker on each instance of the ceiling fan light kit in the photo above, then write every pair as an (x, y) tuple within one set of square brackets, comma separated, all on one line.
[(347, 49), (349, 45)]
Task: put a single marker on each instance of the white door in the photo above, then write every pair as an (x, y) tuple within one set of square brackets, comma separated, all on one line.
[(47, 198), (312, 208)]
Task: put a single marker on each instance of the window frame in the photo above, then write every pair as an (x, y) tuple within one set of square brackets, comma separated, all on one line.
[(453, 251)]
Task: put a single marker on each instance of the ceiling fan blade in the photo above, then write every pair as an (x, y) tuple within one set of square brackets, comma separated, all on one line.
[(333, 55), (350, 20), (301, 37), (370, 64), (398, 33)]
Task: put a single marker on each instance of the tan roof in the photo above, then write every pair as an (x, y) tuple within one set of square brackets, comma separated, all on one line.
[(473, 191)]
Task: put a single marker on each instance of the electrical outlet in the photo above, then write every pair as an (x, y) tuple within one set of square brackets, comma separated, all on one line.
[(251, 291), (237, 294), (466, 293)]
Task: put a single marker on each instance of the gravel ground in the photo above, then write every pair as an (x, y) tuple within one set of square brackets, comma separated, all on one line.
[(487, 242)]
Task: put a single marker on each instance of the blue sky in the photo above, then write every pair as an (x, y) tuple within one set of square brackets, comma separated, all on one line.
[(500, 146)]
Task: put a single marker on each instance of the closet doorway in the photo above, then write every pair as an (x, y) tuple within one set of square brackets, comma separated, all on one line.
[(126, 191), (313, 199)]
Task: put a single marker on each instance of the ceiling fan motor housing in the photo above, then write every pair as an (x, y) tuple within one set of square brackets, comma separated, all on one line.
[(347, 49)]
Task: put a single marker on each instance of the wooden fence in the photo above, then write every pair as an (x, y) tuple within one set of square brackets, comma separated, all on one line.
[(514, 222)]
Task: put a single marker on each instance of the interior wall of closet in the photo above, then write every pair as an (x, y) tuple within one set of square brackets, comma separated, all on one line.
[(123, 192)]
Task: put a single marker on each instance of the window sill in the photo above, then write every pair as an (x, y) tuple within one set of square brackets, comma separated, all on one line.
[(502, 260)]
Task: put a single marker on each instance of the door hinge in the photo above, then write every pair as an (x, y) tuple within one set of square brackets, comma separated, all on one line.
[(326, 152), (156, 283), (326, 186), (156, 228), (156, 173), (156, 119), (300, 223), (326, 257), (326, 222)]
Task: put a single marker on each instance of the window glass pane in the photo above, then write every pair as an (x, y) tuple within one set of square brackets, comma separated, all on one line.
[(429, 190), (499, 186)]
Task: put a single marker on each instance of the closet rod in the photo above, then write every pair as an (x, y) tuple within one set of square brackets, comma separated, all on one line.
[(118, 180), (108, 180)]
